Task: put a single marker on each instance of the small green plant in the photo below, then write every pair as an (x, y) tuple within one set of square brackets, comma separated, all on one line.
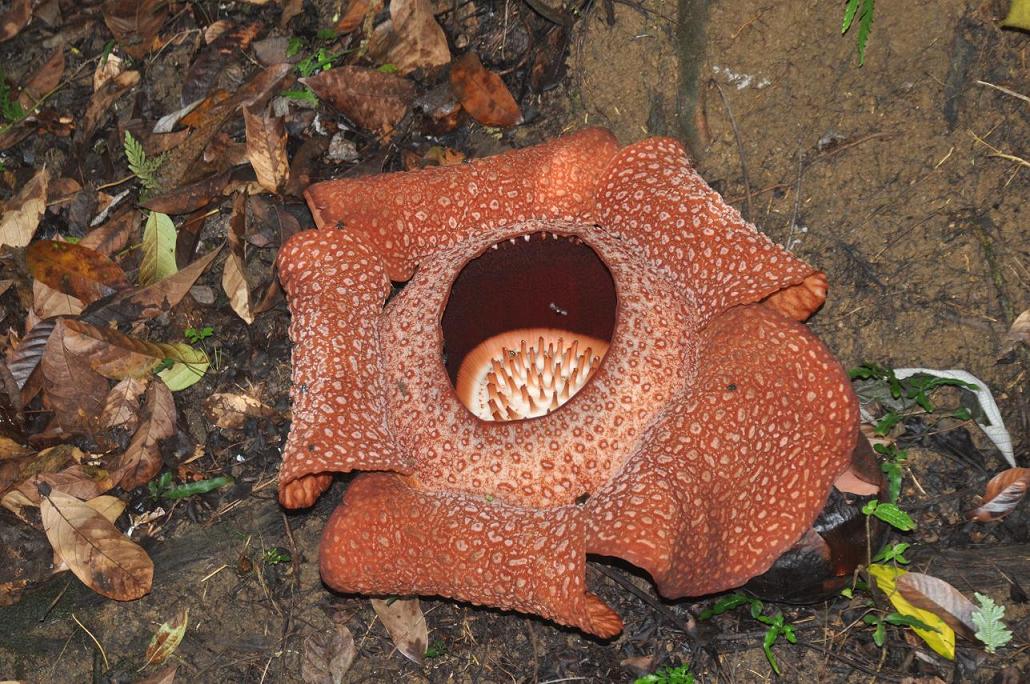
[(879, 623), (436, 650), (316, 62), (10, 111), (863, 10), (890, 514), (302, 95), (274, 556), (892, 468), (293, 46), (143, 167), (668, 675), (197, 335), (895, 553), (163, 487), (989, 627), (777, 625)]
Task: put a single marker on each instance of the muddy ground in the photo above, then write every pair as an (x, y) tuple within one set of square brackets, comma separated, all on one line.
[(884, 176)]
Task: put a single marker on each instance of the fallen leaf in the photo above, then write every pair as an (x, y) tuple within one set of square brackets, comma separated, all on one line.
[(230, 411), (96, 551), (327, 656), (74, 391), (81, 481), (190, 196), (100, 105), (234, 275), (15, 19), (135, 23), (107, 68), (25, 358), (121, 408), (1003, 493), (117, 356), (940, 598), (266, 149), (185, 374), (411, 39), (942, 641), (164, 676), (1020, 330), (141, 461), (404, 621), (48, 302), (167, 638), (48, 460), (224, 41), (113, 234), (372, 99), (291, 9), (20, 216), (45, 79), (1018, 16), (353, 17), (158, 259), (483, 94), (74, 270)]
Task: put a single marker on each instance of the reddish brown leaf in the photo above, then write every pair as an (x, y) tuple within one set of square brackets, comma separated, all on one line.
[(225, 41), (1002, 495), (95, 550), (81, 481), (404, 621), (135, 22), (74, 270), (191, 196), (115, 355), (327, 656), (74, 391), (411, 39), (162, 676), (353, 17), (142, 458), (44, 80), (20, 215), (266, 149), (370, 98), (940, 598), (15, 18), (113, 234), (99, 107), (483, 94), (48, 302), (121, 408)]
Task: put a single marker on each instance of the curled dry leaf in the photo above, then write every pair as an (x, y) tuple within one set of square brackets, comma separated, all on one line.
[(372, 99), (1020, 330), (1002, 495), (230, 411), (266, 149), (74, 391), (167, 638), (234, 275), (406, 624), (940, 598), (106, 70), (99, 107), (115, 355), (121, 408), (20, 216), (411, 39), (142, 458), (75, 270), (327, 657), (15, 18), (483, 94), (95, 550)]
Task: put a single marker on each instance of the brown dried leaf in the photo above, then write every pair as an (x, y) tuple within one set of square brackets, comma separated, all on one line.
[(15, 19), (234, 275), (30, 349), (353, 17), (74, 391), (940, 598), (115, 355), (266, 149), (1020, 330), (167, 638), (20, 216), (48, 302), (99, 107), (191, 196), (122, 409), (404, 621), (81, 481), (50, 460), (410, 39), (1002, 495), (106, 70), (135, 21), (135, 305), (371, 99), (230, 411), (74, 270), (483, 94), (327, 657), (224, 41), (96, 551), (142, 458), (44, 80), (164, 676), (113, 234)]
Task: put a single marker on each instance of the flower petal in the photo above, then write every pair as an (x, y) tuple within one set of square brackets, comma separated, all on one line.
[(741, 463), (389, 538), (336, 285)]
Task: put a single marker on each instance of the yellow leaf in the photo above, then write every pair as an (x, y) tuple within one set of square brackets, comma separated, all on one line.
[(941, 641), (1019, 15)]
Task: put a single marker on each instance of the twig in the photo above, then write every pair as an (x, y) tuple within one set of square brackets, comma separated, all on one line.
[(998, 153), (740, 151), (1005, 90), (107, 666)]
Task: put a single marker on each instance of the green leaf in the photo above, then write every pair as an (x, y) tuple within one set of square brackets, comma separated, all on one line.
[(302, 95), (158, 249), (865, 25), (890, 514), (885, 424), (880, 634), (165, 490), (907, 621), (849, 16), (188, 368), (988, 620), (144, 168), (725, 604), (893, 553)]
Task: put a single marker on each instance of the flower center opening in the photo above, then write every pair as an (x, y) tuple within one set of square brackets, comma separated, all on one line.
[(526, 325)]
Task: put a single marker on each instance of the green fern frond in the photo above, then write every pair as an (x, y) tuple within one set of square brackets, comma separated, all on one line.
[(143, 167), (863, 10), (849, 15)]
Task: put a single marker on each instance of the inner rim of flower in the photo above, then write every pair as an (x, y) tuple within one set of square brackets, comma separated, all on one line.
[(527, 325)]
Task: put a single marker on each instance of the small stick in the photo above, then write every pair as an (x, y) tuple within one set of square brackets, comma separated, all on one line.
[(1005, 90), (740, 151), (107, 666)]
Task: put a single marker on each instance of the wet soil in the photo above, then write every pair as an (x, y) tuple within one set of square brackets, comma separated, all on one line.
[(884, 176)]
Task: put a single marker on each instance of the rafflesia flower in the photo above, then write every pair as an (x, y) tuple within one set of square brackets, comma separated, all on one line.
[(593, 354)]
